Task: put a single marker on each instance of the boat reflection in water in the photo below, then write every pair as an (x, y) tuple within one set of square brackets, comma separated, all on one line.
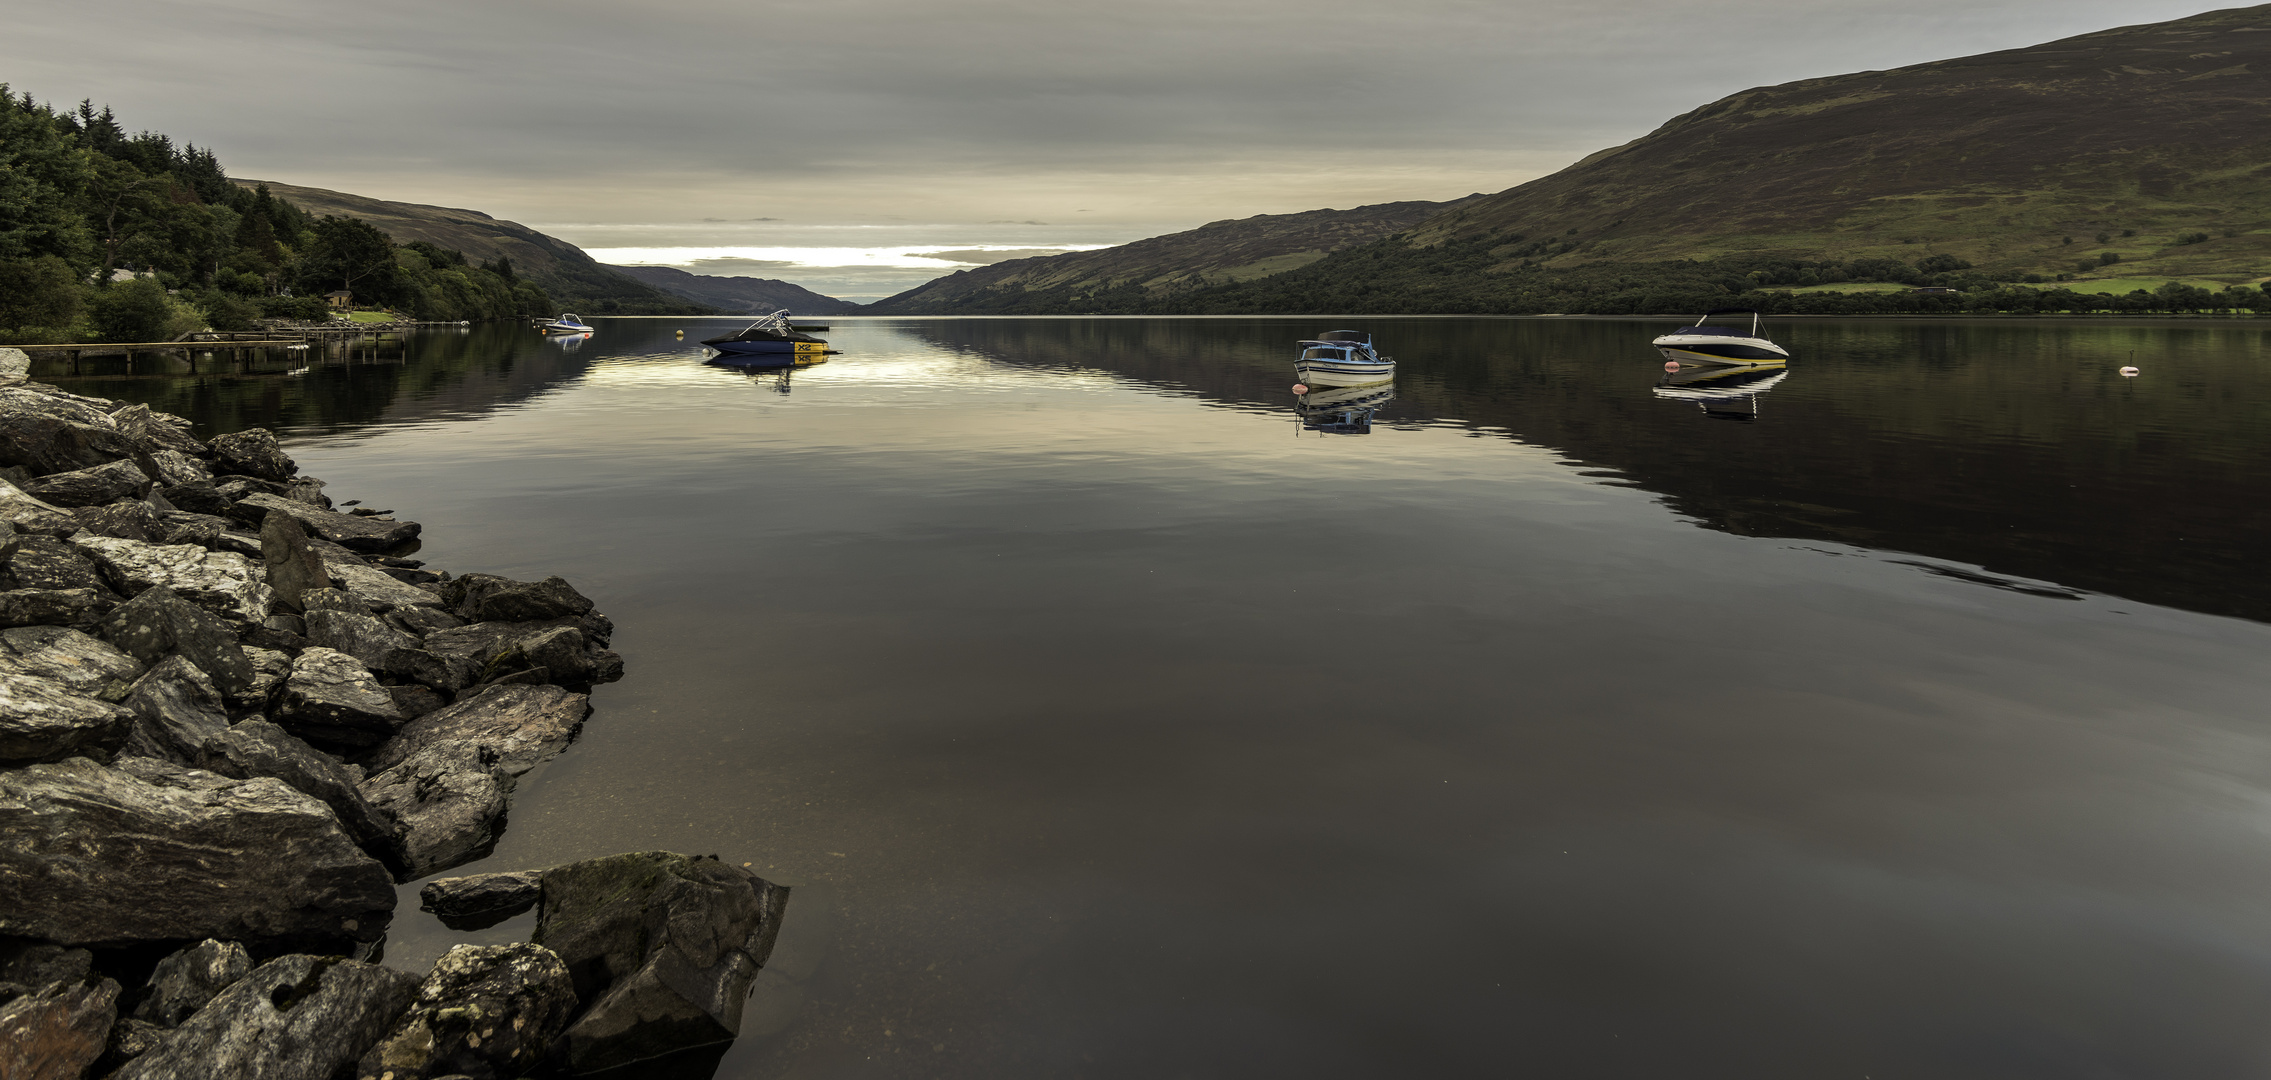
[(779, 367), (570, 342), (1723, 391), (1343, 410)]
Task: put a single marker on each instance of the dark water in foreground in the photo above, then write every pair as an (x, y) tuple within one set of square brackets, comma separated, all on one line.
[(1907, 719)]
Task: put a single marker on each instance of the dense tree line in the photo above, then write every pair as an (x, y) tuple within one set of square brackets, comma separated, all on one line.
[(81, 201), (1497, 276)]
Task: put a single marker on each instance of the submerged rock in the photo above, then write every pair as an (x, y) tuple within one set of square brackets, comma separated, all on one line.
[(83, 664), (159, 623), (662, 947), (91, 486), (479, 901), (518, 727), (292, 1018), (252, 452), (360, 534), (42, 719), (485, 1011), (332, 698), (184, 982), (224, 583), (150, 851)]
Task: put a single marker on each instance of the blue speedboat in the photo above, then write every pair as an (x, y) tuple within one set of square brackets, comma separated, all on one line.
[(567, 323), (771, 336)]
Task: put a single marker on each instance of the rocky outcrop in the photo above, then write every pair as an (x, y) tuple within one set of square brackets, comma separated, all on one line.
[(485, 1011), (42, 719), (47, 433), (361, 534), (150, 851), (224, 583), (292, 1018), (478, 901), (184, 982), (662, 948), (332, 699)]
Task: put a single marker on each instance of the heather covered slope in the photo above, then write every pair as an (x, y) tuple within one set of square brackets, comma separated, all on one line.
[(2158, 137), (1216, 253)]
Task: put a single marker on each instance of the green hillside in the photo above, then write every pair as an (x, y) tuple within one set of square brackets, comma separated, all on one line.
[(739, 294), (1216, 253)]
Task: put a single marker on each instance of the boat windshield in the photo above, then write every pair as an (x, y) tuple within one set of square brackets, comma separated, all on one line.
[(1317, 353)]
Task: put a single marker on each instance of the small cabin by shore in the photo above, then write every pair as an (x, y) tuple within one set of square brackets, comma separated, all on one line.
[(339, 299)]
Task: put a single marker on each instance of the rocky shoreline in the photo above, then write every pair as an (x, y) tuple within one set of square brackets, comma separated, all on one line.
[(233, 716)]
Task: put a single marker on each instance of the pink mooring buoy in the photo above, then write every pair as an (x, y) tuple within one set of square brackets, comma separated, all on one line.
[(1300, 388), (1671, 365), (2129, 373)]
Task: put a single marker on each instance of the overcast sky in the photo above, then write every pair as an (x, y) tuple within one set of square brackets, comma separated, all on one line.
[(635, 124)]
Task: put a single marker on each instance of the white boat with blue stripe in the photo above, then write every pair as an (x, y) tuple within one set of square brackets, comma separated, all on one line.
[(1700, 344), (1342, 358)]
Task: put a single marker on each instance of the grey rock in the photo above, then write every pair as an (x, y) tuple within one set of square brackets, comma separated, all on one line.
[(421, 621), (29, 514), (198, 497), (158, 433), (331, 698), (41, 719), (489, 598), (58, 1032), (293, 1018), (270, 668), (185, 981), (484, 652), (416, 701), (127, 519), (293, 567), (53, 607), (486, 1010), (309, 490), (520, 726), (369, 639), (83, 664), (43, 562), (478, 901), (149, 851), (286, 624), (330, 599), (50, 433), (358, 534), (129, 1039), (15, 367), (451, 798), (158, 623), (182, 527), (224, 583), (662, 948), (175, 711), (252, 452), (27, 966), (175, 467), (375, 589), (258, 748), (91, 486)]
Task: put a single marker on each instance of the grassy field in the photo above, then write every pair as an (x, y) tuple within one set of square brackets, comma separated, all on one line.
[(373, 316), (2120, 285), (1849, 287)]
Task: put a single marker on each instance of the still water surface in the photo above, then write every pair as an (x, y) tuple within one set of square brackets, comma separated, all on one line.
[(1905, 719)]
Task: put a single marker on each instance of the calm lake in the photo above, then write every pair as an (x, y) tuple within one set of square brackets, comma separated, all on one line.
[(1906, 718)]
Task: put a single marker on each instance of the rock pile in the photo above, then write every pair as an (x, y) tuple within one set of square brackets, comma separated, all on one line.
[(232, 717)]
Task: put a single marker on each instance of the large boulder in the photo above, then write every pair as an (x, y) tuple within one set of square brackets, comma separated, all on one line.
[(332, 699), (293, 1018), (91, 486), (222, 582), (557, 651), (127, 519), (57, 1032), (374, 587), (175, 467), (185, 981), (662, 948), (292, 567), (354, 533), (452, 799), (484, 1011), (158, 433), (518, 727), (198, 497), (158, 623), (489, 598), (252, 452), (258, 748), (377, 644), (50, 433), (44, 562), (41, 719), (83, 664), (176, 709), (149, 851), (479, 901), (29, 514), (54, 607), (15, 367)]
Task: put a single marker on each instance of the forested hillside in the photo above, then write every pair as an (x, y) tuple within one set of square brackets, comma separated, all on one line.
[(118, 237)]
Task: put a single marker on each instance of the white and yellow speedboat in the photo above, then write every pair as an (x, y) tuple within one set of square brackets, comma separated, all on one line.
[(1700, 344)]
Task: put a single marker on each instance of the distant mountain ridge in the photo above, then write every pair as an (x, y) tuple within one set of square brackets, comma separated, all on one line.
[(738, 294), (562, 269), (1215, 253)]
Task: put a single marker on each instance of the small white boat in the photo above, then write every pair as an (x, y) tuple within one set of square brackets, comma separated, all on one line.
[(567, 323), (1700, 344), (1342, 358)]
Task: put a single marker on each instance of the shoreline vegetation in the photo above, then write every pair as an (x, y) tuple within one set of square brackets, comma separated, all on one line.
[(233, 715)]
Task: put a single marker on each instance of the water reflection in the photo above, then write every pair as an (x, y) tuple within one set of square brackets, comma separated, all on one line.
[(1345, 410), (1723, 392), (569, 342), (774, 372)]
